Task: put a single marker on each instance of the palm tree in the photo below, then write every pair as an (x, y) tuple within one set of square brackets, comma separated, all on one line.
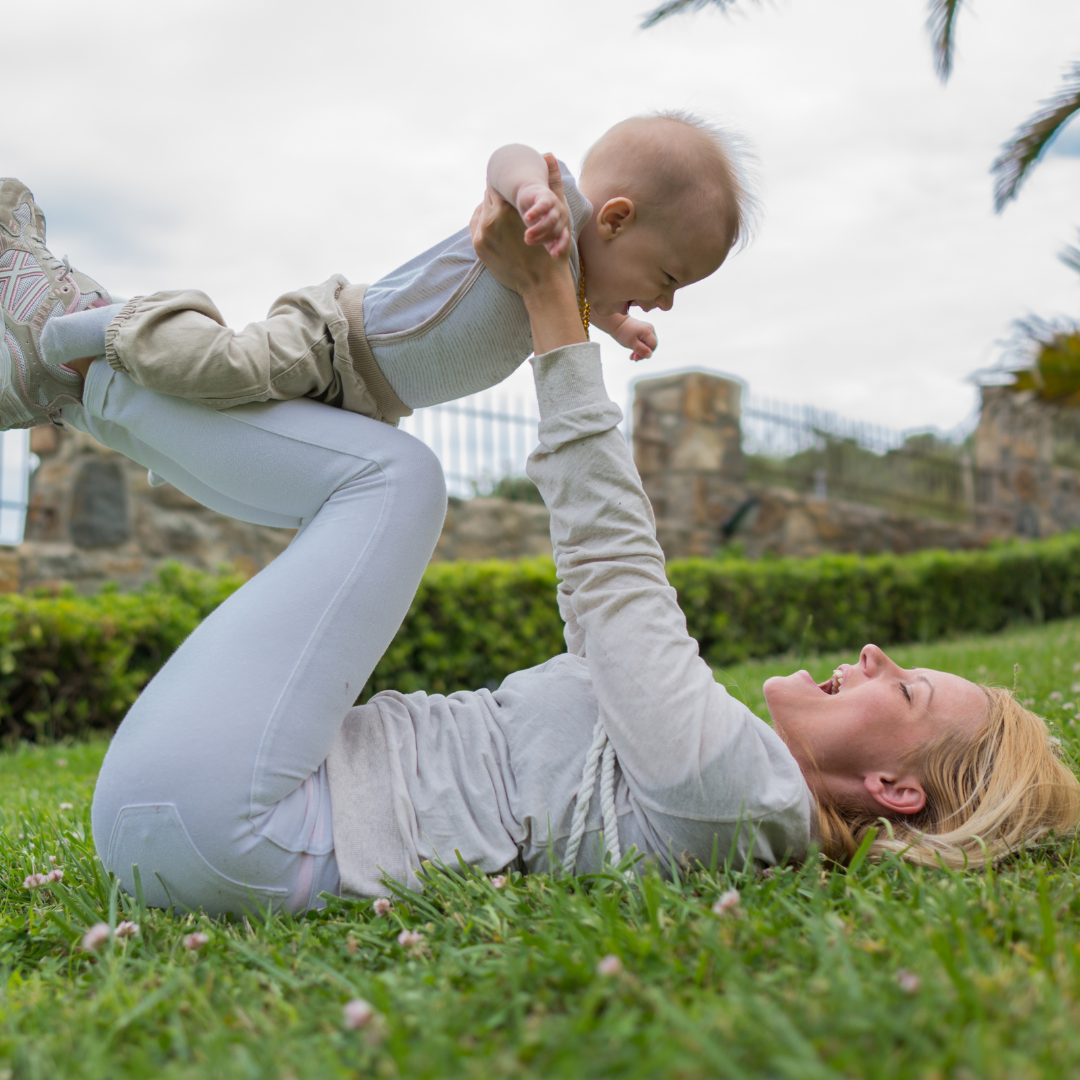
[(1021, 153)]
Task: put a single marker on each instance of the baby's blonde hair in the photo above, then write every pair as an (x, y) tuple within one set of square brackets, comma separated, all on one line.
[(677, 162), (987, 795)]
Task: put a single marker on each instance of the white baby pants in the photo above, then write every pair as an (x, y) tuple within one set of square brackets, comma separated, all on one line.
[(215, 784)]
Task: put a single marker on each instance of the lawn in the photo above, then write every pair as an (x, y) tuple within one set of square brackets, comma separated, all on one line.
[(886, 971)]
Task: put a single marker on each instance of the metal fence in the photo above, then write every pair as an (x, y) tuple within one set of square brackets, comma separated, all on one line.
[(818, 452), (479, 440), (484, 439), (15, 468)]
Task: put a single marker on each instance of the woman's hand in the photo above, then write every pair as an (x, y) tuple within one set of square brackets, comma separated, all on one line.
[(545, 284)]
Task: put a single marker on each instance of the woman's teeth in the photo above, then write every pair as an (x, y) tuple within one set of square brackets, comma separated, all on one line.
[(836, 681)]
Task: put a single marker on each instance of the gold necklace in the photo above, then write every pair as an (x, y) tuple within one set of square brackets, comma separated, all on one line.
[(582, 303)]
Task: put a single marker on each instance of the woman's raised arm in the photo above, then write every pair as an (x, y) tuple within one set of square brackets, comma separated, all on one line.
[(688, 751)]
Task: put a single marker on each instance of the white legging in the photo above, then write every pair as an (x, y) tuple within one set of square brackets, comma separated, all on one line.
[(215, 783)]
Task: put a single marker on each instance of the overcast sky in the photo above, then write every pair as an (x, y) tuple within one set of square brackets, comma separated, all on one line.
[(246, 147)]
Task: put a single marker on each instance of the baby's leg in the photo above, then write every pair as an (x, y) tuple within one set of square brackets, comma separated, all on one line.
[(215, 783), (177, 343)]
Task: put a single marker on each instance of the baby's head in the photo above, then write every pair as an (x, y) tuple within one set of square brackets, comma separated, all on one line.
[(668, 205)]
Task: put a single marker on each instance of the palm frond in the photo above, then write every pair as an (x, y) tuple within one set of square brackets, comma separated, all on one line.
[(675, 7), (1020, 154), (1071, 257), (940, 22)]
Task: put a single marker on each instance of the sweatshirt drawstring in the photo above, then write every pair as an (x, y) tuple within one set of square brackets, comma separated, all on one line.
[(601, 756)]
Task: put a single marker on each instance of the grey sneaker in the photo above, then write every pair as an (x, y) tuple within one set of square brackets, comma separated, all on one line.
[(35, 286)]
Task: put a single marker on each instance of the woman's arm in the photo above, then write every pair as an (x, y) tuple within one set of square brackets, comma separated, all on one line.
[(657, 696), (688, 751)]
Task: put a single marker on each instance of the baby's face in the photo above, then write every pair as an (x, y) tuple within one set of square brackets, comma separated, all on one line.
[(643, 264)]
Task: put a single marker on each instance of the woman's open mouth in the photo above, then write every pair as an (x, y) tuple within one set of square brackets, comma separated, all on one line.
[(832, 684)]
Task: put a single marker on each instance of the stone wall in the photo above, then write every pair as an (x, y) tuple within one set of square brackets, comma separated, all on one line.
[(1021, 489), (93, 517), (493, 529), (688, 449)]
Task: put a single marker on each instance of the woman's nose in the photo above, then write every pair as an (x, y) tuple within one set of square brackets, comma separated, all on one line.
[(872, 659)]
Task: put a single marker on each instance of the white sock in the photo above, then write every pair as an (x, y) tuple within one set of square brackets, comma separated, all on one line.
[(72, 337)]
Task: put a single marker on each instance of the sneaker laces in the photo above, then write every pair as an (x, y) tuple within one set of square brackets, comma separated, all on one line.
[(53, 263)]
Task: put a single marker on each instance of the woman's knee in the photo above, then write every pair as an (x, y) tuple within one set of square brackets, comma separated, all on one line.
[(414, 474)]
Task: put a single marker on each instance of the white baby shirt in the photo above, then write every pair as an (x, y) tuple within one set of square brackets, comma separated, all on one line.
[(441, 327)]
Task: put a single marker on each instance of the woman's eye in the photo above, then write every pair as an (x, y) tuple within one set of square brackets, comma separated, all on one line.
[(907, 692)]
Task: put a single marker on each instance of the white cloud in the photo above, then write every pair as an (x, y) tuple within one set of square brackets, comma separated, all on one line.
[(249, 146)]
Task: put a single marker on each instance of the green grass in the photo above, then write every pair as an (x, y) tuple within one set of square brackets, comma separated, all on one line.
[(887, 971)]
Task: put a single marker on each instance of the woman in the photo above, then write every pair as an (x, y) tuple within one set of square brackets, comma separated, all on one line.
[(242, 779)]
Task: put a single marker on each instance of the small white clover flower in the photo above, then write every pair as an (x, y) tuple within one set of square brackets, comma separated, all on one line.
[(728, 902), (410, 939), (499, 881), (52, 858), (195, 941), (358, 1013), (382, 906), (35, 881), (95, 937), (609, 965), (54, 875), (126, 929), (1055, 695), (67, 806), (908, 981)]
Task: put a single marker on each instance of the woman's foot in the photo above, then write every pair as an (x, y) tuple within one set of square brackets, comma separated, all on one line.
[(35, 286)]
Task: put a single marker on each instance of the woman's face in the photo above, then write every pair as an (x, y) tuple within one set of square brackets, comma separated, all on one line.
[(851, 735)]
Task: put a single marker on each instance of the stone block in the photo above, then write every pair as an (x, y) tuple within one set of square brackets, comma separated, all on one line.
[(700, 448), (10, 571), (99, 516), (44, 440)]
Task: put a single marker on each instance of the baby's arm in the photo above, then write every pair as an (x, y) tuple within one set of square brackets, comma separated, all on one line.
[(520, 175), (637, 336)]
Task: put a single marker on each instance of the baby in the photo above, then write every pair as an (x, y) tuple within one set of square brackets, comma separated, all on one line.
[(659, 205)]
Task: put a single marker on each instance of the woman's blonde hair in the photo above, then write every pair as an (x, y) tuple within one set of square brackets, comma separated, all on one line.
[(986, 796)]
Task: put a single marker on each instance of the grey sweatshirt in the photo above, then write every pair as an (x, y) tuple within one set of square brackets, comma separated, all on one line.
[(493, 776)]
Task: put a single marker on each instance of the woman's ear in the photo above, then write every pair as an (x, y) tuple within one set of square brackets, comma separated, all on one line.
[(615, 215), (903, 795)]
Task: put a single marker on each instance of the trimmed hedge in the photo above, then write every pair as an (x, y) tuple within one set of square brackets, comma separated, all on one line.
[(72, 663), (739, 609)]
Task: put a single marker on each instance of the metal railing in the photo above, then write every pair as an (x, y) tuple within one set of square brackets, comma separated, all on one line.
[(820, 453), (16, 463), (484, 439), (479, 440)]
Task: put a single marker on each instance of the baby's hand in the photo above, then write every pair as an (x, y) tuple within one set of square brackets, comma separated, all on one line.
[(546, 217), (637, 336)]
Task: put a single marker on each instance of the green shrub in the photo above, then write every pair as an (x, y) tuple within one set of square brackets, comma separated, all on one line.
[(738, 609), (470, 625), (70, 663)]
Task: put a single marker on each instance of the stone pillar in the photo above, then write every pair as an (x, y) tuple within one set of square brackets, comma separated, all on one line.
[(1026, 452), (688, 450)]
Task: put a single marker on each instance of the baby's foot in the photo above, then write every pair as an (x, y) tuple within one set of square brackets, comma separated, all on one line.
[(35, 286)]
